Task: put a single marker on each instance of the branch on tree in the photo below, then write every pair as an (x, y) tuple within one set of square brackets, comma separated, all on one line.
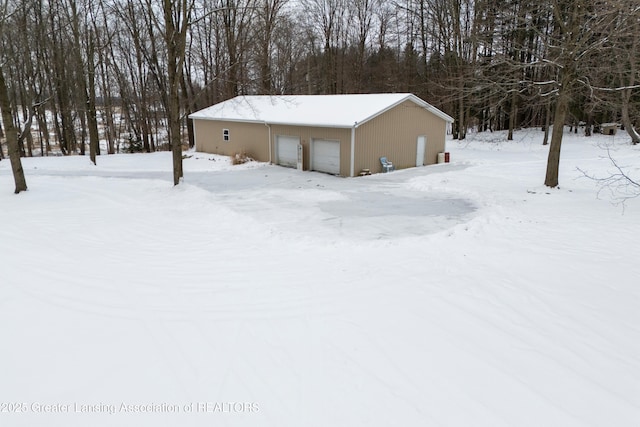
[(619, 184)]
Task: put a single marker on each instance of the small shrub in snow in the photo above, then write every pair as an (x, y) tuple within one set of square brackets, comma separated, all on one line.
[(240, 158)]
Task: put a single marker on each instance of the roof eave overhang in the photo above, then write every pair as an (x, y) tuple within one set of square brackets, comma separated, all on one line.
[(271, 123), (219, 119), (311, 125)]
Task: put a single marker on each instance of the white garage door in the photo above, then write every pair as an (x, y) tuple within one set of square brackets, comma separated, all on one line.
[(325, 156), (287, 150)]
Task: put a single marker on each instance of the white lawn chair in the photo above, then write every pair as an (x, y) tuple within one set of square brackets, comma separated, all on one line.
[(387, 166)]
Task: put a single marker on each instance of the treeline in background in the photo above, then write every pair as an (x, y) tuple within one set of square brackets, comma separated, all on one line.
[(121, 72)]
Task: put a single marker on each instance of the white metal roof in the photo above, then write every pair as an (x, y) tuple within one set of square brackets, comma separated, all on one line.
[(343, 111)]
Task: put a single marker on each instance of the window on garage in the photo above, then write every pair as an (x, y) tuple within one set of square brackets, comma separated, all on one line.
[(225, 134)]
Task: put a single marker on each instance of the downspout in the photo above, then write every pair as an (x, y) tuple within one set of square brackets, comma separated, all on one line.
[(195, 137), (353, 150), (269, 127)]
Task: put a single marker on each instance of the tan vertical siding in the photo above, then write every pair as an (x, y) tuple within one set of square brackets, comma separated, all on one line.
[(394, 134), (251, 138), (306, 134)]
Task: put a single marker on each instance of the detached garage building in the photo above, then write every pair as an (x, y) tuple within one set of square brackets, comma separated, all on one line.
[(336, 134)]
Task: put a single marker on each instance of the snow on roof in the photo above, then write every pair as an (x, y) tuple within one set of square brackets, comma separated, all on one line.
[(310, 110)]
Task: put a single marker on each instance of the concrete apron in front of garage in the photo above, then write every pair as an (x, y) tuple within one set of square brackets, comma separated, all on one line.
[(312, 204)]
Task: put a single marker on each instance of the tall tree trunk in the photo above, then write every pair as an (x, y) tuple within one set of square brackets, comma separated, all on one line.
[(462, 124), (629, 68), (90, 95), (83, 128), (568, 46), (44, 130), (189, 107), (553, 161), (11, 136), (29, 142), (109, 126), (1, 136), (547, 120), (25, 133), (175, 38), (512, 114), (626, 120)]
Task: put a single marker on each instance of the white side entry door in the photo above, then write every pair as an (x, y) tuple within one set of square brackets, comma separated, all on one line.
[(420, 150)]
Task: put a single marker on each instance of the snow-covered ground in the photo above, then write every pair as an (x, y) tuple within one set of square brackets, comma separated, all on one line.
[(464, 294)]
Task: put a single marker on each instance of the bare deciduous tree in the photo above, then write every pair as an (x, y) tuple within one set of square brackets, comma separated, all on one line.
[(11, 135), (10, 132), (177, 14)]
